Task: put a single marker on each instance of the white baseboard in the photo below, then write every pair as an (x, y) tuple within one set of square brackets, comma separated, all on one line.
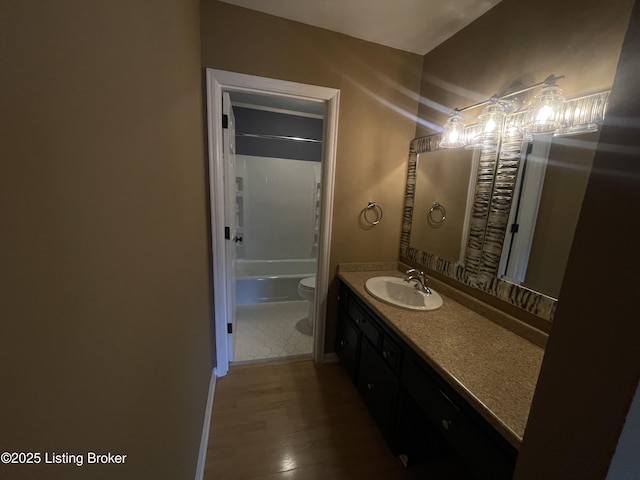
[(330, 357), (204, 440)]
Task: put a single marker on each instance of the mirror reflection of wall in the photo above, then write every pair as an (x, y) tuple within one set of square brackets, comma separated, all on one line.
[(445, 177), (552, 179)]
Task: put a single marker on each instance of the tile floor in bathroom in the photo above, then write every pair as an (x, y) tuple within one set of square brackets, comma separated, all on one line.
[(272, 330)]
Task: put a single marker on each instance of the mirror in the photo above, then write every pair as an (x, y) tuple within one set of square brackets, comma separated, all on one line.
[(547, 199), (536, 184), (442, 202)]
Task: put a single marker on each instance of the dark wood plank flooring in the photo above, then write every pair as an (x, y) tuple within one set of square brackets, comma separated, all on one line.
[(296, 420)]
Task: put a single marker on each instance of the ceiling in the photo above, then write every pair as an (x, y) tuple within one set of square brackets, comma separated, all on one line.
[(415, 26)]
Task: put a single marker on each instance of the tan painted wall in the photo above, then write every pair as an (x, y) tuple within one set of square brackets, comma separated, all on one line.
[(378, 88), (591, 366), (105, 300)]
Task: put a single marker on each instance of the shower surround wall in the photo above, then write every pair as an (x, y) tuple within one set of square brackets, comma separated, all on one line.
[(277, 204), (277, 213)]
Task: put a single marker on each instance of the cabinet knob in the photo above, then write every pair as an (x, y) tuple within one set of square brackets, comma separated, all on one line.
[(386, 354), (371, 386), (343, 343), (447, 424)]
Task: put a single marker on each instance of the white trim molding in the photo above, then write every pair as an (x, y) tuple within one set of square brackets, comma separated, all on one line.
[(204, 439), (330, 357), (216, 196)]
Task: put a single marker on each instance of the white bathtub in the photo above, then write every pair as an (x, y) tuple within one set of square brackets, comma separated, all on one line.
[(260, 281)]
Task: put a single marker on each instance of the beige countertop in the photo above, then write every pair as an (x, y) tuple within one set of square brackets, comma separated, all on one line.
[(491, 367)]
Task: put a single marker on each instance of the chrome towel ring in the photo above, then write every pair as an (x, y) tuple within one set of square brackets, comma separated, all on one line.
[(433, 218), (377, 211)]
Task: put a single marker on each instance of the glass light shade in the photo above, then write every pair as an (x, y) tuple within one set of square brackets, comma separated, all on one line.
[(511, 131), (453, 132), (491, 120), (546, 105)]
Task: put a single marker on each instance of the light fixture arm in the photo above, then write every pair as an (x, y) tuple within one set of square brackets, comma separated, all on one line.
[(549, 81), (552, 79)]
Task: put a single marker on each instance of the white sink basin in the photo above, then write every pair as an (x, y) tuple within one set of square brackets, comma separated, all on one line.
[(397, 292)]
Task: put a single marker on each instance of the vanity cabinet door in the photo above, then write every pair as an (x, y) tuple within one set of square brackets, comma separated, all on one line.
[(378, 387), (391, 353), (348, 345)]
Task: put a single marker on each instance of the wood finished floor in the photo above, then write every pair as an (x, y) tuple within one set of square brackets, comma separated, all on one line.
[(295, 420)]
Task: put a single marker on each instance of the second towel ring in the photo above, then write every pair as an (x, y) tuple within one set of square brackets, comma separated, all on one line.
[(378, 211), (435, 207)]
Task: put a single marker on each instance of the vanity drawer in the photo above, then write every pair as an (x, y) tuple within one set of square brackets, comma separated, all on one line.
[(437, 405), (369, 327)]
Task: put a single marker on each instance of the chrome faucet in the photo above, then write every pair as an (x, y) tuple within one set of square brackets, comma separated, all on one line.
[(413, 274)]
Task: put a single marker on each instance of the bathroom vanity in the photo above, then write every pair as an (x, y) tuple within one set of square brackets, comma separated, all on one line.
[(444, 383)]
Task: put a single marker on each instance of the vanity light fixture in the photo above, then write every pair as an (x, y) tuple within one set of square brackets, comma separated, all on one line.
[(543, 116), (546, 106), (582, 114), (453, 131)]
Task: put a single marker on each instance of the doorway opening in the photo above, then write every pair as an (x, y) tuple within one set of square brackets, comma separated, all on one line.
[(271, 204), (276, 200)]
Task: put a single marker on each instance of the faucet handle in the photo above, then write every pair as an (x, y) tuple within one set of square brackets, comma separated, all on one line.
[(415, 270)]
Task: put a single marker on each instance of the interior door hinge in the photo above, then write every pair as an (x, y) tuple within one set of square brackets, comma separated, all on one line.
[(229, 328), (514, 228), (225, 121), (227, 233)]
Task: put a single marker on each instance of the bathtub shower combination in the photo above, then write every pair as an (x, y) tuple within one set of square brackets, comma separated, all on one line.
[(260, 281), (276, 258)]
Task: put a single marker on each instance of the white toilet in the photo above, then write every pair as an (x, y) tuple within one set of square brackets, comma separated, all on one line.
[(307, 290)]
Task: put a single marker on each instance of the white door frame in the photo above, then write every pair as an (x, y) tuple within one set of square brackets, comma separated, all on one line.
[(217, 82)]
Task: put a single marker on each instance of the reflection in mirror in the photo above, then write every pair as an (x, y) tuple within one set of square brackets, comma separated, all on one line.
[(552, 178), (444, 189)]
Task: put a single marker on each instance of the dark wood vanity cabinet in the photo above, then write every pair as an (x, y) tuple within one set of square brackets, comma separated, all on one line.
[(420, 415), (348, 345), (483, 449), (378, 387), (359, 342)]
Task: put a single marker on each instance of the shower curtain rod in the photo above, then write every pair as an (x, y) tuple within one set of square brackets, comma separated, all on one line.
[(278, 137)]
